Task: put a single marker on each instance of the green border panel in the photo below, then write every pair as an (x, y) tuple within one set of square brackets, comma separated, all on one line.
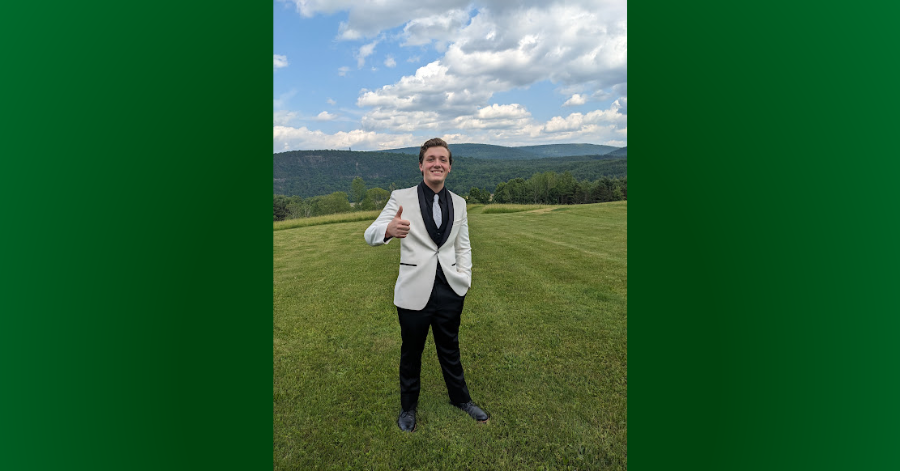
[(763, 237), (136, 286)]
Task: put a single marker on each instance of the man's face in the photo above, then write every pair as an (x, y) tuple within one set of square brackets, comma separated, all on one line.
[(435, 166)]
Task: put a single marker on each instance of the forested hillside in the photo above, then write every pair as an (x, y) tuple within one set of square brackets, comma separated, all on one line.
[(623, 152), (320, 172), (478, 151), (563, 150), (487, 151), (467, 173), (313, 173)]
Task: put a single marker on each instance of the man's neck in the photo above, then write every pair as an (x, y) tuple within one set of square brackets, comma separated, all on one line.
[(435, 189)]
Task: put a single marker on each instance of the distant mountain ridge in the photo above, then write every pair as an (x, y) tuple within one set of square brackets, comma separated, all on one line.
[(320, 172), (623, 152), (566, 150), (493, 152)]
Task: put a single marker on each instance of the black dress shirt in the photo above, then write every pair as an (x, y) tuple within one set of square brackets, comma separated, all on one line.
[(443, 201)]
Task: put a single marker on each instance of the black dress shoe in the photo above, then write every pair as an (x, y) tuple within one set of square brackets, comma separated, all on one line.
[(473, 410), (407, 420)]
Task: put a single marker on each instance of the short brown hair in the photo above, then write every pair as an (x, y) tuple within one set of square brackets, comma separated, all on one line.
[(436, 142)]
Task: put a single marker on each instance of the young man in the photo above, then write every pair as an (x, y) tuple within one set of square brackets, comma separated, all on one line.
[(435, 274)]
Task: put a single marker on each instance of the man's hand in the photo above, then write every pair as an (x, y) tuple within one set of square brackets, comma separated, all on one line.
[(397, 227)]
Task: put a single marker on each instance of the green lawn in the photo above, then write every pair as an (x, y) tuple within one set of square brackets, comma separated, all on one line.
[(543, 340)]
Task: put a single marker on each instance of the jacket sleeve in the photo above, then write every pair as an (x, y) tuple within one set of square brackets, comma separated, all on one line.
[(375, 233), (463, 249)]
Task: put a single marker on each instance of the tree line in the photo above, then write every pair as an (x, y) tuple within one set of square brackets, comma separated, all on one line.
[(311, 173), (553, 188), (293, 207), (541, 188)]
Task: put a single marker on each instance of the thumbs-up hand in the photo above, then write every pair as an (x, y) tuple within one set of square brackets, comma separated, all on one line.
[(398, 227)]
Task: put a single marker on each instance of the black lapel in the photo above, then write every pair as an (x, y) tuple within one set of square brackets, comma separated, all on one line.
[(427, 220), (449, 227)]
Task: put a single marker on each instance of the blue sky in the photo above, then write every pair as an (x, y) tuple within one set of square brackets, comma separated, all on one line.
[(372, 75)]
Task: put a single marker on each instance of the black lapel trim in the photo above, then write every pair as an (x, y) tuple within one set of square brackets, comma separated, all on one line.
[(429, 224)]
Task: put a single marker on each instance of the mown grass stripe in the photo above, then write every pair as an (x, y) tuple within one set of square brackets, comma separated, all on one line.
[(543, 336)]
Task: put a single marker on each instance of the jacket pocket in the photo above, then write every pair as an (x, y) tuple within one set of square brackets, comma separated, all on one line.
[(408, 264)]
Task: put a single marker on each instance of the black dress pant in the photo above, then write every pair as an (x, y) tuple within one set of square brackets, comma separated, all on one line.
[(442, 314)]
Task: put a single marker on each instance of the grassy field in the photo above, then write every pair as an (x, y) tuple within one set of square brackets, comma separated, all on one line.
[(329, 219), (543, 340)]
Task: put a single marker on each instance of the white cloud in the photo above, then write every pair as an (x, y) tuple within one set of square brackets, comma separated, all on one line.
[(621, 105), (602, 95), (289, 138), (609, 119), (368, 19), (564, 43), (283, 117), (513, 125), (365, 51), (279, 61), (487, 47), (496, 111), (455, 138), (331, 102), (496, 117), (402, 122), (348, 34), (325, 116), (282, 99), (571, 123), (580, 45), (509, 125), (576, 100), (431, 87), (309, 8), (439, 27)]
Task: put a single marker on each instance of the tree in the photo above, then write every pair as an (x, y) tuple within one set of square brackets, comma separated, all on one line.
[(365, 205), (358, 190), (501, 194), (518, 191), (295, 207), (542, 187), (479, 196), (334, 203), (311, 206), (565, 188), (616, 193), (280, 207), (602, 191), (583, 192), (379, 197)]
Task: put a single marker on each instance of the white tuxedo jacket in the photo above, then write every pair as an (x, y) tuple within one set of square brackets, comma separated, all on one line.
[(419, 254)]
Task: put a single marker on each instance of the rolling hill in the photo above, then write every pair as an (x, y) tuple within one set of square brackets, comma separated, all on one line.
[(564, 150), (623, 152), (320, 172), (488, 151)]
